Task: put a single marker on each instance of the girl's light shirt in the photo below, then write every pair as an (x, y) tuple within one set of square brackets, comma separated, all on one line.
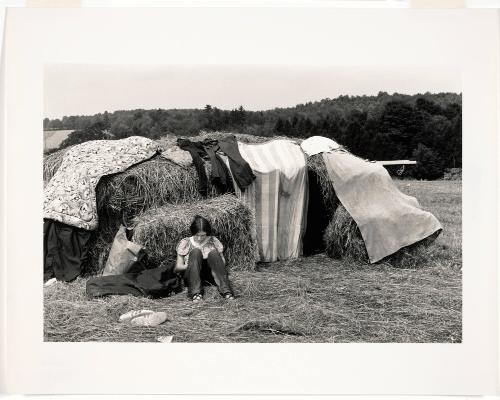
[(187, 244)]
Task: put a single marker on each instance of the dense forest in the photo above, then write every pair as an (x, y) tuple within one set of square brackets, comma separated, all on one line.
[(423, 127)]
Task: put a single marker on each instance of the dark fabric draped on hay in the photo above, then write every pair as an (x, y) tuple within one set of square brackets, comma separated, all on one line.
[(65, 250)]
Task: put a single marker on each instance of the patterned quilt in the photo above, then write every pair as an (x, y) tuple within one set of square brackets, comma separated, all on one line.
[(70, 196)]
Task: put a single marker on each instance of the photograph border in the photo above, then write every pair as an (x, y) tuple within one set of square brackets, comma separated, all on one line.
[(359, 37)]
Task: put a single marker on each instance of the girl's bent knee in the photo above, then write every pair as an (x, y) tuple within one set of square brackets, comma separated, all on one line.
[(214, 254)]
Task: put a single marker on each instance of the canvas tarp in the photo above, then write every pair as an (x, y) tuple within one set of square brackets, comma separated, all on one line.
[(278, 197), (388, 219), (70, 195)]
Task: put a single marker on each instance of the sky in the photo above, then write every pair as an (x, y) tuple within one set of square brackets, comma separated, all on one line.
[(76, 89)]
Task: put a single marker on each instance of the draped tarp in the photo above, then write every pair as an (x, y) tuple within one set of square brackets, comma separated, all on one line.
[(278, 197), (70, 196), (388, 219)]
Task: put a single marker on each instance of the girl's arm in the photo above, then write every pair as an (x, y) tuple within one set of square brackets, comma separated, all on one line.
[(219, 247), (179, 264)]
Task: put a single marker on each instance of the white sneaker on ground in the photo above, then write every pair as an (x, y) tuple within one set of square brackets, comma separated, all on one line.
[(154, 319), (50, 282), (165, 339), (127, 317)]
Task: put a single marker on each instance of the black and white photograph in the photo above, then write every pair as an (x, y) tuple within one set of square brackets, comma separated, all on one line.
[(252, 203), (282, 198)]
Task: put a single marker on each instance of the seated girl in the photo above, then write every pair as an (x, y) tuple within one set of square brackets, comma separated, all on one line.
[(200, 259)]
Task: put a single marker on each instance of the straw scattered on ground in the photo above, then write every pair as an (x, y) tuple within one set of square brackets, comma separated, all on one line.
[(313, 299)]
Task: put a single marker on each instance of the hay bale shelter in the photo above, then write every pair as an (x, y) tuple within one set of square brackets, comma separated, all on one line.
[(159, 198), (160, 229)]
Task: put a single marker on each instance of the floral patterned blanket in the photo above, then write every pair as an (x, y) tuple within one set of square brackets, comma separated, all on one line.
[(70, 196)]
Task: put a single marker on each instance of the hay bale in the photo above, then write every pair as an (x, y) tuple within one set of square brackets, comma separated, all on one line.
[(343, 240), (160, 229), (51, 164), (152, 183), (316, 166), (120, 198)]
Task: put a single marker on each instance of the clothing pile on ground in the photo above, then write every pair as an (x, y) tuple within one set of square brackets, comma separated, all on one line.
[(270, 178), (138, 281)]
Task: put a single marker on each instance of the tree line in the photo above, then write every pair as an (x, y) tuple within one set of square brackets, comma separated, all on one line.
[(424, 127)]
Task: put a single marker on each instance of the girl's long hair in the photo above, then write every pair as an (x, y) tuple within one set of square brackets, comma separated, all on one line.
[(200, 224)]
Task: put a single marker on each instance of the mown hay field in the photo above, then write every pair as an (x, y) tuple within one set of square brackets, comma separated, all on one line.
[(312, 299)]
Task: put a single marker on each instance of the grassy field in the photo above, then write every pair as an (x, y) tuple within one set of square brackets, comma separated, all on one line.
[(52, 139), (313, 299)]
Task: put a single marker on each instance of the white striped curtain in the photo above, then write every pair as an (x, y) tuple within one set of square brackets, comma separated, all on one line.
[(278, 197)]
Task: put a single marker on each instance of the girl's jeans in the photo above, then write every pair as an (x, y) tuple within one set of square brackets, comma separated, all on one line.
[(212, 270)]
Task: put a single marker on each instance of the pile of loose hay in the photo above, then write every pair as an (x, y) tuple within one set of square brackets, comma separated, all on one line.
[(160, 229), (343, 241)]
